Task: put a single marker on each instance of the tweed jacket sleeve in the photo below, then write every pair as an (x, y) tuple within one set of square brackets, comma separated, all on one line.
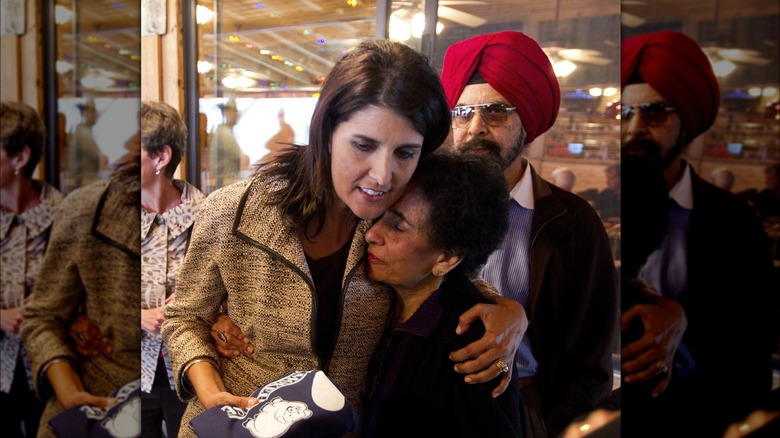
[(92, 264), (200, 289)]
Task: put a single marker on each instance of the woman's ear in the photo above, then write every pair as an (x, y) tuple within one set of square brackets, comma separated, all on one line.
[(445, 264), (165, 156), (21, 159)]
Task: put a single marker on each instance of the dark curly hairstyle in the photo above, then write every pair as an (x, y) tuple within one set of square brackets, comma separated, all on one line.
[(468, 206)]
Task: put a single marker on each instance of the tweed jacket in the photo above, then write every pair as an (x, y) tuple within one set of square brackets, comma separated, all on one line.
[(92, 265), (164, 241), (574, 309), (241, 251)]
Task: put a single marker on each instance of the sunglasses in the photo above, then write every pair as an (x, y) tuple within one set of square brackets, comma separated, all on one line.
[(493, 114), (653, 114)]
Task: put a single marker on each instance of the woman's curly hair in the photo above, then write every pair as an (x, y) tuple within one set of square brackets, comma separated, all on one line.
[(468, 206)]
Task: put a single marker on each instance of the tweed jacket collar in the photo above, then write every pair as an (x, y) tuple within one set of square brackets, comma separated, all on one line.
[(263, 227), (118, 215)]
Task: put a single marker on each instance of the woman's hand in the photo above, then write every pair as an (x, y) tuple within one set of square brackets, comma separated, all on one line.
[(651, 355), (11, 319), (209, 400), (505, 325), (211, 389), (152, 319), (228, 339), (88, 339), (70, 390)]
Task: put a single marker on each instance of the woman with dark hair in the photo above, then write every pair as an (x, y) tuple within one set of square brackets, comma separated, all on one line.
[(28, 209), (427, 245), (285, 249)]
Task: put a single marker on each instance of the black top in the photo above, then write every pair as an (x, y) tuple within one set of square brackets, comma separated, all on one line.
[(414, 389), (328, 273)]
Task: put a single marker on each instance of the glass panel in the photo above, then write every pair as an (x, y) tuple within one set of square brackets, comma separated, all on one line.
[(741, 43), (261, 65), (581, 34), (99, 76)]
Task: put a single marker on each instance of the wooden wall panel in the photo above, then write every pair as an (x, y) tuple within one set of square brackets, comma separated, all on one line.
[(9, 68)]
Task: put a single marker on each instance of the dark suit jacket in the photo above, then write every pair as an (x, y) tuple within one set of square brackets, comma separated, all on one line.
[(574, 305), (727, 305)]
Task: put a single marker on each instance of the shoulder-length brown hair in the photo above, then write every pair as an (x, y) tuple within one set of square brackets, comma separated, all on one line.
[(382, 73)]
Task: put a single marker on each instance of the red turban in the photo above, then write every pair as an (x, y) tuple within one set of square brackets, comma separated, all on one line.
[(515, 66), (676, 67)]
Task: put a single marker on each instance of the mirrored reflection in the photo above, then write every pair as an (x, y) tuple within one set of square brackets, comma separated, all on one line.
[(241, 132), (99, 73), (741, 44)]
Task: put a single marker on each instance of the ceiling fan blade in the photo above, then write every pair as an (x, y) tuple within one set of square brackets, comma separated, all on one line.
[(461, 3), (631, 20), (584, 55), (460, 17), (747, 56)]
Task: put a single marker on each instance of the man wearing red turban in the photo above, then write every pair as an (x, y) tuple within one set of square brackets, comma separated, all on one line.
[(714, 261), (556, 258)]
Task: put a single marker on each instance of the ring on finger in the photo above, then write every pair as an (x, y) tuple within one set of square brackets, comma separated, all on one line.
[(501, 365), (222, 336), (661, 366)]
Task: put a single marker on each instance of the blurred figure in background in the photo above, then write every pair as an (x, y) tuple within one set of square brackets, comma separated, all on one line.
[(226, 158), (282, 140), (723, 178), (767, 202), (85, 160), (607, 202), (564, 178), (28, 209)]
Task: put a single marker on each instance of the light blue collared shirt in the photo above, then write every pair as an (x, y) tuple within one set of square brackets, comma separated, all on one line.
[(508, 267)]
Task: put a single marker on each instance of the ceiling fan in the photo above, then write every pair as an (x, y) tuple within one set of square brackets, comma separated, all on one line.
[(446, 12), (723, 56), (563, 56), (628, 19)]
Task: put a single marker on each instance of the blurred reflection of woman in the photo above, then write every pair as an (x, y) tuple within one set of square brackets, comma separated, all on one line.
[(28, 208), (93, 262)]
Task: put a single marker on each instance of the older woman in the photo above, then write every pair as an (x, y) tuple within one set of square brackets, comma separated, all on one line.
[(28, 208), (453, 214), (168, 210), (286, 247)]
